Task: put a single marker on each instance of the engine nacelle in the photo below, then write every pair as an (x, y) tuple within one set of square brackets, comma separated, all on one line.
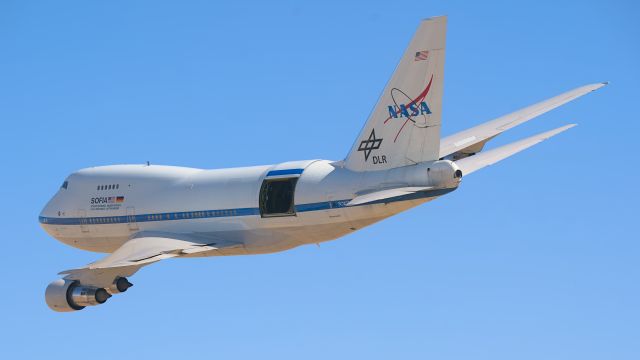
[(119, 285), (69, 295)]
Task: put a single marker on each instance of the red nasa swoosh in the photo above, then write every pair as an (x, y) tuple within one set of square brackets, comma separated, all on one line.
[(419, 98)]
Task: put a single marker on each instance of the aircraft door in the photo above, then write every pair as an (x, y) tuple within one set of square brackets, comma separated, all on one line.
[(131, 218), (82, 214)]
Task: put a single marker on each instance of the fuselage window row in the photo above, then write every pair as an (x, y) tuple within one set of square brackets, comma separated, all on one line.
[(108, 187), (159, 217)]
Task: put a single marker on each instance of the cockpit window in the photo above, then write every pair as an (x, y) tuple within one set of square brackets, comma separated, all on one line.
[(64, 185)]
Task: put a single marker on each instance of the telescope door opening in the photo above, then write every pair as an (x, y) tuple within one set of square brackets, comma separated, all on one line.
[(276, 197)]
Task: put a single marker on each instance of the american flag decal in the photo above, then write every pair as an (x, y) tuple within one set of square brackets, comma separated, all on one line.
[(421, 55)]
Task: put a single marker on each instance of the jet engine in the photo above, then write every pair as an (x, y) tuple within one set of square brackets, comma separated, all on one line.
[(69, 295), (119, 285)]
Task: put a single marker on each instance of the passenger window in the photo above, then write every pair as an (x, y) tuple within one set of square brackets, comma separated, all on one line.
[(277, 197)]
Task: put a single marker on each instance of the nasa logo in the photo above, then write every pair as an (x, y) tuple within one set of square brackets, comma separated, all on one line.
[(410, 109), (413, 109)]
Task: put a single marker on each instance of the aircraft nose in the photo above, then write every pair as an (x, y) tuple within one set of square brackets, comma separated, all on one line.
[(46, 211), (56, 205), (52, 208)]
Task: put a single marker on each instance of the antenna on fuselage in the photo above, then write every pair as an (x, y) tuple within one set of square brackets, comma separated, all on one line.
[(148, 163)]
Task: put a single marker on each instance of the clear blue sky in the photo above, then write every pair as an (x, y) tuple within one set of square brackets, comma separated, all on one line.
[(535, 258)]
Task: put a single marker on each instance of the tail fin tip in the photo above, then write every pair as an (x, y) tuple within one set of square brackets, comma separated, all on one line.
[(404, 126)]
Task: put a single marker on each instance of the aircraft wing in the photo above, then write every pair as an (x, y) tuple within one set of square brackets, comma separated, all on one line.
[(140, 251), (476, 162), (471, 141)]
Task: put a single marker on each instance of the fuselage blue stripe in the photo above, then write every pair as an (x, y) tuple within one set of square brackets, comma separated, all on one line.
[(285, 172), (313, 207), (207, 214), (182, 215)]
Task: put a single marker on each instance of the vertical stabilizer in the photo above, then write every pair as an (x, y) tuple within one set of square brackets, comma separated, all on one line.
[(404, 127)]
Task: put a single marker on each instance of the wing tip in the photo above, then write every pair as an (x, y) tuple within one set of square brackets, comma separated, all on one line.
[(551, 133), (434, 18), (599, 85)]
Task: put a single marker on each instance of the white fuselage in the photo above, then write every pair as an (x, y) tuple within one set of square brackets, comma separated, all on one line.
[(100, 208)]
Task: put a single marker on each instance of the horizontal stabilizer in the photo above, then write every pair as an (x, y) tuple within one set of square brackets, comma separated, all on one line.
[(385, 194), (472, 140), (476, 162)]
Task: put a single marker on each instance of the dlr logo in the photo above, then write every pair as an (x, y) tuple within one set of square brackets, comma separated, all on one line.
[(382, 159)]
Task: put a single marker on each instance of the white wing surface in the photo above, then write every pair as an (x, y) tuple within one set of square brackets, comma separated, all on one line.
[(138, 252), (472, 140), (476, 162)]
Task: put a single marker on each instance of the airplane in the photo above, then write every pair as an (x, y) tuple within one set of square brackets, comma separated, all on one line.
[(141, 214)]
